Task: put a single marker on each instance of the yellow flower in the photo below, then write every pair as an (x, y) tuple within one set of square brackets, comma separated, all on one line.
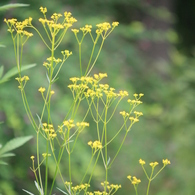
[(32, 157), (153, 164), (41, 89), (114, 24), (52, 92), (166, 162), (142, 162), (43, 10)]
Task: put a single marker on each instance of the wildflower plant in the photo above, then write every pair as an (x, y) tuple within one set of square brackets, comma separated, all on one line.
[(102, 100), (135, 181)]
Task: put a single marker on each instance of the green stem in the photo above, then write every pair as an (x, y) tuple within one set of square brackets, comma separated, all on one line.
[(80, 59), (96, 57), (46, 167), (118, 150), (38, 162)]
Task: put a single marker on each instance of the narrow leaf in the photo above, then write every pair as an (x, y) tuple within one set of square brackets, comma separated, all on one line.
[(28, 192), (12, 5), (3, 163), (39, 121), (61, 191), (47, 78), (7, 155), (1, 71), (108, 161), (14, 71), (38, 188), (14, 143)]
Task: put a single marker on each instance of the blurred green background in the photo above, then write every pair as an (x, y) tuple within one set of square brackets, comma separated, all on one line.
[(152, 52)]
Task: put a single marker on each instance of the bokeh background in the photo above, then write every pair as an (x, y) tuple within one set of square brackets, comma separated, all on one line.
[(151, 51)]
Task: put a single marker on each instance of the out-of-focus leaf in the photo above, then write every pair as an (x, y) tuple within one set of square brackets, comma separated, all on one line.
[(28, 192), (1, 71), (12, 5), (3, 163), (7, 155), (2, 45), (14, 143), (39, 189), (62, 191), (14, 71), (39, 121)]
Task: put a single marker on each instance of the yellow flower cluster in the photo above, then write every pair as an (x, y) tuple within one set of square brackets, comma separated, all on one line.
[(90, 87), (41, 89), (133, 180), (45, 155), (69, 124), (53, 25), (166, 162), (49, 130), (66, 53), (78, 188), (82, 124), (18, 27), (32, 158), (103, 29), (111, 189), (142, 162), (87, 28), (153, 164), (136, 101), (95, 145), (22, 81), (132, 119)]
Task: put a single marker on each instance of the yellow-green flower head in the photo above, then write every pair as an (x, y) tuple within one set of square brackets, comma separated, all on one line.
[(133, 180), (166, 162), (43, 10), (10, 21), (67, 14), (123, 93), (75, 30), (45, 155), (41, 89), (124, 114), (138, 114), (82, 124), (97, 193), (32, 157), (114, 24), (153, 164), (95, 145), (142, 162), (89, 193), (104, 26), (129, 177)]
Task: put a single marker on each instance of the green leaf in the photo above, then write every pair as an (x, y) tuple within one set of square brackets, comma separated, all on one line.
[(7, 155), (12, 5), (14, 71), (3, 163), (14, 143), (2, 45), (62, 191), (1, 71), (28, 192)]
